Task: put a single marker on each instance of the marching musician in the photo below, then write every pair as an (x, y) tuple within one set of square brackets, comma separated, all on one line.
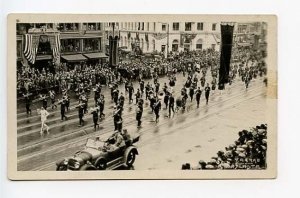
[(207, 92), (139, 113), (142, 86), (130, 91), (171, 104), (94, 112), (44, 100), (198, 96), (137, 96), (28, 102), (80, 107), (117, 115), (157, 107), (100, 104), (52, 97)]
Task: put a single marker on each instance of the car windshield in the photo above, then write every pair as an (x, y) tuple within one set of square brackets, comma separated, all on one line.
[(93, 143)]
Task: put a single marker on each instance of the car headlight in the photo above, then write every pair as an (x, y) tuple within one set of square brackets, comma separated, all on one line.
[(77, 165), (66, 162)]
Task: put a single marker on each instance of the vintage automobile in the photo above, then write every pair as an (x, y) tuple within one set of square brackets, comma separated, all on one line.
[(101, 155)]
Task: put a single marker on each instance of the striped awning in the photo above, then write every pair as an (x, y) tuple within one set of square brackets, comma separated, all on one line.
[(96, 55), (74, 57)]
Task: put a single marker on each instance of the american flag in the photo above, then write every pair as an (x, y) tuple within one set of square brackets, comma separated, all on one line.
[(31, 47), (56, 48)]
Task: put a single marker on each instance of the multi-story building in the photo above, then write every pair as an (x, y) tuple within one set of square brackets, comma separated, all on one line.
[(250, 34), (39, 43), (171, 36)]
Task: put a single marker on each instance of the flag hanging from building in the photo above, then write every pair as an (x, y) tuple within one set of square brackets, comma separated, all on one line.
[(56, 47), (31, 47), (226, 47)]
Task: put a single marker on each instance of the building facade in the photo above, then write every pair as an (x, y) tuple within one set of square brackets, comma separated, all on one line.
[(38, 43), (169, 37)]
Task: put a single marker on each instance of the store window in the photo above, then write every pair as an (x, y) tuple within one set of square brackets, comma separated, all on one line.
[(92, 44), (70, 45), (188, 26), (175, 26)]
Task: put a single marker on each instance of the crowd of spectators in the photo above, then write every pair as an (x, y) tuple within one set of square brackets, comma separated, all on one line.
[(247, 152)]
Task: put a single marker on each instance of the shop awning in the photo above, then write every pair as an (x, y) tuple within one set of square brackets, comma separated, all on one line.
[(74, 57), (95, 55)]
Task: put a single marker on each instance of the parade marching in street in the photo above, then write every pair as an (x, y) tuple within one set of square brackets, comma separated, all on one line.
[(75, 100)]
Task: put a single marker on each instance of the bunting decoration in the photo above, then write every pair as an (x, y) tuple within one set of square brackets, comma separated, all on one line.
[(186, 38), (159, 36), (31, 47), (56, 47)]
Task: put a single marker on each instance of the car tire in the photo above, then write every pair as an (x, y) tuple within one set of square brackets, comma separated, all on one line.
[(101, 165), (87, 168), (130, 158)]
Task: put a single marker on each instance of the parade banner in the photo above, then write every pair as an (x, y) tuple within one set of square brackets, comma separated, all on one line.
[(226, 46)]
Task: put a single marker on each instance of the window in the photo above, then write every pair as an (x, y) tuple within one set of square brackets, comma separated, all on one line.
[(175, 26), (163, 27), (213, 46), (93, 44), (199, 44), (214, 26), (154, 26), (70, 45), (67, 27), (148, 24), (188, 26), (199, 26)]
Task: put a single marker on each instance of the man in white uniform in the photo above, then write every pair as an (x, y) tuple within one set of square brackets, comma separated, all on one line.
[(44, 114)]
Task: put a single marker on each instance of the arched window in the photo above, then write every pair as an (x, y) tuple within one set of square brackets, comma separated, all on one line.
[(199, 44), (175, 44)]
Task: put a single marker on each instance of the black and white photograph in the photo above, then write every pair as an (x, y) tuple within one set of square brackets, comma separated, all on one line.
[(142, 96)]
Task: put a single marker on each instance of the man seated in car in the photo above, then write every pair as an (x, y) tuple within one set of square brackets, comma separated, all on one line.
[(115, 141), (126, 137)]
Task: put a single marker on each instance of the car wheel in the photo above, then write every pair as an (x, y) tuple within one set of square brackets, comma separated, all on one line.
[(61, 168), (101, 165), (130, 158)]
